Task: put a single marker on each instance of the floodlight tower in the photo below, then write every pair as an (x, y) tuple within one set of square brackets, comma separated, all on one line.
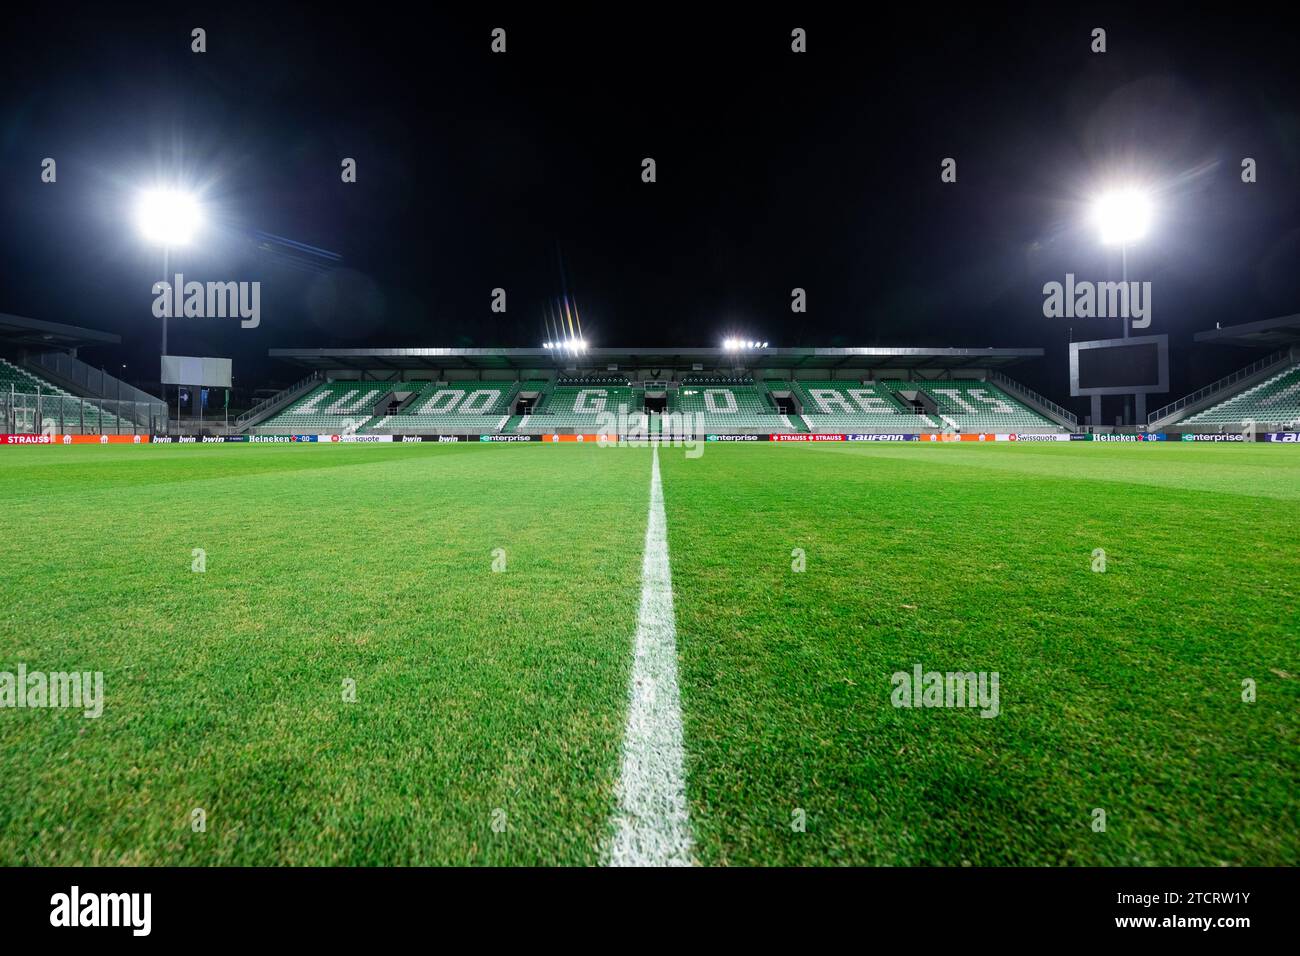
[(1122, 217), (168, 218)]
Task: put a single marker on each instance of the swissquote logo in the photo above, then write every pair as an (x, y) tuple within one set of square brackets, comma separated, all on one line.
[(133, 910)]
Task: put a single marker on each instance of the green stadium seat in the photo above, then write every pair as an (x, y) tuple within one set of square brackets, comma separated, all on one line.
[(971, 405), (1274, 401), (59, 409), (582, 408), (730, 405), (854, 407), (334, 407), (461, 407)]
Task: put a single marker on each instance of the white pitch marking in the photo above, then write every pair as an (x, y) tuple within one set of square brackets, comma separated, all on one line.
[(652, 826)]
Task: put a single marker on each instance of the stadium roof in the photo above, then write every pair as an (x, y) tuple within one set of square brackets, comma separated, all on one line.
[(668, 358), (18, 330), (1265, 334)]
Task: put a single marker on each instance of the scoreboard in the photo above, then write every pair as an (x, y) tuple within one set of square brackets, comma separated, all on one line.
[(1132, 366)]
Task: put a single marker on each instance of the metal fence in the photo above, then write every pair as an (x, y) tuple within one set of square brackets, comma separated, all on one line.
[(56, 413), (1024, 392), (95, 382), (279, 400)]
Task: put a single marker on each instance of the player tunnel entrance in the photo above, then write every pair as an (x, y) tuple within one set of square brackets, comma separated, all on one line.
[(786, 403), (525, 403), (917, 401)]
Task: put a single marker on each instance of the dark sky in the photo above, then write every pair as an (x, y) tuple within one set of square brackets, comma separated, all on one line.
[(775, 170)]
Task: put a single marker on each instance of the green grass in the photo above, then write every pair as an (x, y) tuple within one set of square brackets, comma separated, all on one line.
[(1119, 690), (476, 690), (479, 690)]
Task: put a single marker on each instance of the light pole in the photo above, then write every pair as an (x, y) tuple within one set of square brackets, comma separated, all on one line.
[(167, 218), (1122, 217)]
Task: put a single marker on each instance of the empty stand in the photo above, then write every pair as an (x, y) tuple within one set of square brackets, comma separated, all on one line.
[(730, 405), (856, 407), (470, 408), (582, 408), (970, 405), (334, 407), (33, 404), (1275, 400)]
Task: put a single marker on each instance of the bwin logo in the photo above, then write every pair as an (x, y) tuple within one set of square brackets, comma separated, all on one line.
[(103, 909), (210, 300)]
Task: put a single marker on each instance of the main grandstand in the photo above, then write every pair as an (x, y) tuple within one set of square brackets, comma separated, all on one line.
[(620, 391)]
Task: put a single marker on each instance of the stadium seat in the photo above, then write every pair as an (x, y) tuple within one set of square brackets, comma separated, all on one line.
[(971, 405), (461, 407), (333, 407), (580, 408), (855, 407), (59, 409), (1276, 401), (724, 405)]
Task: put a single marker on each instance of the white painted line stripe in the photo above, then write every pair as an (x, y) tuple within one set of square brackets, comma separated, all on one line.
[(652, 825)]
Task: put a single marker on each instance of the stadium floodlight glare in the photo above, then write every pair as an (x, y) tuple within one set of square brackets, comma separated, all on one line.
[(567, 345), (168, 217), (736, 345), (1122, 216)]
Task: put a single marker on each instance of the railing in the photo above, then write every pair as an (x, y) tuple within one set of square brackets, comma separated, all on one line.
[(54, 413), (1021, 391), (96, 381), (272, 404), (1254, 368)]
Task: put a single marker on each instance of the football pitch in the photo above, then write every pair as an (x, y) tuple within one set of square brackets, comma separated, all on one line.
[(366, 654)]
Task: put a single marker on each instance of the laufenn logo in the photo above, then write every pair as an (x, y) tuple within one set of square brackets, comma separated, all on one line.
[(35, 689), (1098, 300), (923, 688), (210, 300), (103, 909)]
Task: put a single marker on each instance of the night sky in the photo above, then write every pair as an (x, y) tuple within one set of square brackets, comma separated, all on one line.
[(775, 170)]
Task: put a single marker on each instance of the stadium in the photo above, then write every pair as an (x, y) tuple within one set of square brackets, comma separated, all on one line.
[(1047, 552), (738, 391), (515, 503)]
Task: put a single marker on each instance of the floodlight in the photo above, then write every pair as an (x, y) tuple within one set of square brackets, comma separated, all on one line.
[(167, 217), (1122, 216)]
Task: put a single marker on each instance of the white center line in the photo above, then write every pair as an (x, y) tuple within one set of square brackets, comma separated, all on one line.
[(652, 825)]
